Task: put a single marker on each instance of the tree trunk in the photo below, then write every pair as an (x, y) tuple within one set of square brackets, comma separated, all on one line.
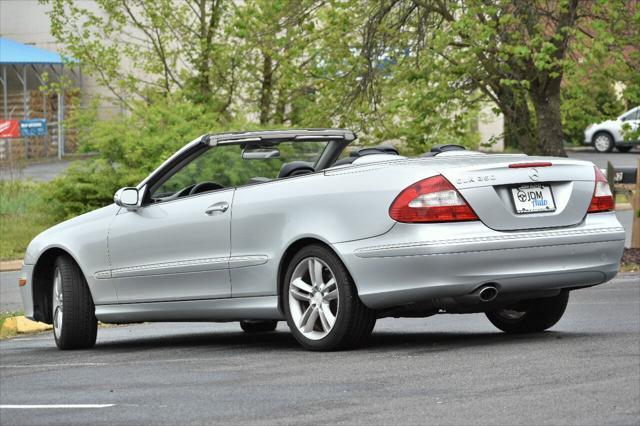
[(266, 89), (546, 102), (518, 128), (203, 77), (281, 106)]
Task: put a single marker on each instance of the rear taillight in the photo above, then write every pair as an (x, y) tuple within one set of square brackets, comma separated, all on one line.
[(602, 200), (431, 200)]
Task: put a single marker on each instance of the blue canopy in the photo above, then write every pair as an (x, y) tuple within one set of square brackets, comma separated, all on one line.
[(12, 52)]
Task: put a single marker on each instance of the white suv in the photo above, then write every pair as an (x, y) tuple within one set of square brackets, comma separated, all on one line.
[(604, 136)]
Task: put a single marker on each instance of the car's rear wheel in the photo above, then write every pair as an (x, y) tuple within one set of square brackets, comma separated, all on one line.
[(603, 142), (258, 326), (73, 313), (530, 316), (624, 148), (321, 303)]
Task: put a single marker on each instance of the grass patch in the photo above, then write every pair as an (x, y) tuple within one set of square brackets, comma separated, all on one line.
[(23, 215), (622, 198), (3, 317), (629, 267)]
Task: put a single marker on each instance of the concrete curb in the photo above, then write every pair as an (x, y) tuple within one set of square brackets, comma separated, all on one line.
[(578, 148), (10, 265), (21, 325)]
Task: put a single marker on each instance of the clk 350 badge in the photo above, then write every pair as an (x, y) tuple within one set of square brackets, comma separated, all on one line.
[(474, 179)]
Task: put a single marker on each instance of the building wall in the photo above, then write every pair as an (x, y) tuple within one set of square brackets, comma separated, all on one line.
[(26, 21), (491, 127)]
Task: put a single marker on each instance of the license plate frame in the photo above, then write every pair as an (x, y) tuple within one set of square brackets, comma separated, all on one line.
[(533, 198)]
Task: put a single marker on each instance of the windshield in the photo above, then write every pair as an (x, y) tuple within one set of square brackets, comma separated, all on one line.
[(633, 114), (230, 165)]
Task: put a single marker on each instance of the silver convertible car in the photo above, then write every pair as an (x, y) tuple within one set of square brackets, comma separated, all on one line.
[(261, 227)]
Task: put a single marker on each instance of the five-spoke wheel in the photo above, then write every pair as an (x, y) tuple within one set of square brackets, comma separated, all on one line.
[(313, 298), (58, 300), (321, 303), (72, 310)]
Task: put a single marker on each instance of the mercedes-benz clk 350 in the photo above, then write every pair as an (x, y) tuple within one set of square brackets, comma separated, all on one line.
[(295, 225)]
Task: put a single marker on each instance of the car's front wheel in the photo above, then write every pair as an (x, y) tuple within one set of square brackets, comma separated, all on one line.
[(321, 303), (530, 316), (603, 142), (72, 310)]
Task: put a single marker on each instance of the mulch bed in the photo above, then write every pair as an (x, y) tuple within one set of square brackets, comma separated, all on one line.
[(631, 258)]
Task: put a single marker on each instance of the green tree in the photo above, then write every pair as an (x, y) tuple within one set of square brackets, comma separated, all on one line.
[(276, 38), (137, 48), (410, 69), (513, 53), (128, 149), (254, 57)]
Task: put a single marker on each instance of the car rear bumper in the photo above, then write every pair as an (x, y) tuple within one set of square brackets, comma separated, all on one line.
[(26, 292), (413, 263)]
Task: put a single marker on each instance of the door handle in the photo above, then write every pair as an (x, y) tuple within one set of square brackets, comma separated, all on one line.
[(221, 207)]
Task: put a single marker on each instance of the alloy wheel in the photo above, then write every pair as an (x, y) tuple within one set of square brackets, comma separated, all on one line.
[(58, 300), (313, 298), (602, 143), (511, 314)]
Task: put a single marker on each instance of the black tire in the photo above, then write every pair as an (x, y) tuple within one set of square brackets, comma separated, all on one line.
[(624, 148), (258, 326), (603, 142), (536, 315), (79, 326), (354, 321)]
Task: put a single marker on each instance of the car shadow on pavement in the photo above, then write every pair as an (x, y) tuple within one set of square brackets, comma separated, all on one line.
[(379, 341), (440, 341), (220, 340)]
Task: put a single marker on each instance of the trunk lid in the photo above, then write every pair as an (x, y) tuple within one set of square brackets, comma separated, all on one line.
[(490, 187)]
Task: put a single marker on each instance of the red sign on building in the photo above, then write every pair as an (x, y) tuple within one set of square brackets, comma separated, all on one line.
[(9, 129)]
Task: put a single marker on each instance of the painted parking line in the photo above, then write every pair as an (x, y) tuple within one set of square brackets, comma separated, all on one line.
[(25, 339), (627, 302), (105, 364), (39, 406), (75, 364)]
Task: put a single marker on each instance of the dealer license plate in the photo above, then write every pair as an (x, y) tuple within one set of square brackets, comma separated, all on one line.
[(533, 198)]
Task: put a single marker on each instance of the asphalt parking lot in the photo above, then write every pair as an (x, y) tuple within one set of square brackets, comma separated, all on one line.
[(453, 369), (618, 159), (449, 369)]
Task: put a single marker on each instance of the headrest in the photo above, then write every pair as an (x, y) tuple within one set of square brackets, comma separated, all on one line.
[(295, 168)]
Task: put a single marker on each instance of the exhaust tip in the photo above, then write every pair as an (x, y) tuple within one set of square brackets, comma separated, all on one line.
[(488, 293)]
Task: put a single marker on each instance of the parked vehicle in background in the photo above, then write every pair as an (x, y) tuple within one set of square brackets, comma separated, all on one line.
[(261, 227), (614, 133)]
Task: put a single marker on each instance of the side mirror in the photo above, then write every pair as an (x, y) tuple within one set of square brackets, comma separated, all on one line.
[(127, 198)]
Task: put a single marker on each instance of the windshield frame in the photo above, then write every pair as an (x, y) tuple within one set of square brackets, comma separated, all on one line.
[(332, 149)]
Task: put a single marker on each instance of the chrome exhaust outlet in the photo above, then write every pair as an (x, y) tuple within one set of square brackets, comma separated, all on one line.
[(487, 293)]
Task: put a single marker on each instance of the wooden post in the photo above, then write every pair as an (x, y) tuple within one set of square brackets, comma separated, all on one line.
[(611, 179), (635, 229)]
